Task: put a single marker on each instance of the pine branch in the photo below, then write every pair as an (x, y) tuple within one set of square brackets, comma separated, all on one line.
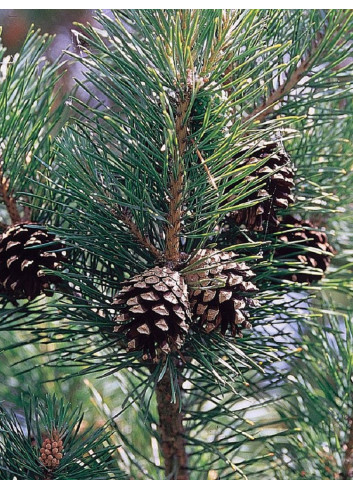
[(260, 113), (28, 95), (118, 148), (140, 238), (176, 183), (50, 443), (329, 36)]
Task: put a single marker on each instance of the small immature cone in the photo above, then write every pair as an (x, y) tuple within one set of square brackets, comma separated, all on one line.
[(51, 451), (312, 263), (24, 253), (154, 312), (278, 183), (220, 291)]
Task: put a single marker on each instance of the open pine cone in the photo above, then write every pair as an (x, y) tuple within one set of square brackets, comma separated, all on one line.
[(277, 188), (219, 291), (312, 263), (154, 312), (24, 253)]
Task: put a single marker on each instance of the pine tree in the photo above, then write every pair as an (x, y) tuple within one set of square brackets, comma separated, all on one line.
[(200, 192)]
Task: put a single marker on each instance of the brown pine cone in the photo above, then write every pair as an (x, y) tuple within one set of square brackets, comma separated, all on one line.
[(219, 291), (154, 312), (24, 253), (278, 172), (312, 263)]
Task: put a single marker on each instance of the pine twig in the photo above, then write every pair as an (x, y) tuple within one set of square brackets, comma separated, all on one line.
[(140, 238), (260, 113), (124, 216), (9, 201), (176, 184), (207, 170), (171, 432)]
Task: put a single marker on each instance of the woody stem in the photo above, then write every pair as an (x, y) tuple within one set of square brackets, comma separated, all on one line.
[(171, 431), (177, 184), (347, 469), (261, 112)]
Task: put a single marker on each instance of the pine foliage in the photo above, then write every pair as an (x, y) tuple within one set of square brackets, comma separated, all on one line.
[(177, 104), (52, 430)]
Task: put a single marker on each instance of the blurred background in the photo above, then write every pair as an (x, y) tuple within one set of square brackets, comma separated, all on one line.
[(15, 24)]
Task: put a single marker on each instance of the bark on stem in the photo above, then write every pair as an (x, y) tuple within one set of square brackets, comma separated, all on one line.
[(143, 240), (347, 469), (176, 185), (171, 432), (260, 113)]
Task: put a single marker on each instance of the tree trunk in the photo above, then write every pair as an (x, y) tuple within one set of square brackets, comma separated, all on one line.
[(171, 432)]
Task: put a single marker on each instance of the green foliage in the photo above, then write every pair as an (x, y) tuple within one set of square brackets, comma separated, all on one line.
[(257, 406), (87, 453), (321, 378), (29, 110)]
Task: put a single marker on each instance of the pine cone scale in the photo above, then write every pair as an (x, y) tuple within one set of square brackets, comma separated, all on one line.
[(277, 177), (24, 253), (218, 306), (154, 310), (316, 259)]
